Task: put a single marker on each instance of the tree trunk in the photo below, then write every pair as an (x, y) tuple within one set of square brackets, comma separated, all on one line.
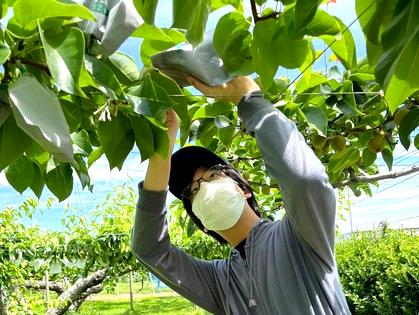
[(93, 290), (77, 291), (3, 302)]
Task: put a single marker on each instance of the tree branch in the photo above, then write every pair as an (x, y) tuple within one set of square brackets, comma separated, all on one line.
[(256, 16), (93, 290), (76, 291), (35, 64), (41, 285), (372, 178), (254, 11)]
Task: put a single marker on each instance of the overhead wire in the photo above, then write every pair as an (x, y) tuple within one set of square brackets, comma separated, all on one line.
[(387, 188), (389, 204)]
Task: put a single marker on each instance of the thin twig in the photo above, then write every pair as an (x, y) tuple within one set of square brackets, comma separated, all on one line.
[(36, 64), (254, 11), (372, 178)]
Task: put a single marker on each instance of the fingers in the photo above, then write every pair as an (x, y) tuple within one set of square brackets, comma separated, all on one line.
[(205, 89)]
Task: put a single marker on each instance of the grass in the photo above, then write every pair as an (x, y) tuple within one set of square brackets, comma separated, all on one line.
[(116, 301), (145, 288), (110, 303), (150, 305)]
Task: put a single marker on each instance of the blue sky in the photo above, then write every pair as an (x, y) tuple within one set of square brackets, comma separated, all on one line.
[(396, 201)]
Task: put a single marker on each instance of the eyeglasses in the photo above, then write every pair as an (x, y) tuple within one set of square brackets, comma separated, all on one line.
[(213, 173)]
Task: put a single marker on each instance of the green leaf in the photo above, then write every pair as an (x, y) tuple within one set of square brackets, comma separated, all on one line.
[(38, 155), (191, 15), (388, 158), (147, 9), (216, 4), (95, 155), (82, 172), (343, 45), (226, 135), (195, 32), (60, 181), (176, 99), (38, 182), (72, 113), (322, 24), (212, 110), (19, 174), (156, 40), (409, 123), (4, 53), (117, 139), (222, 121), (416, 141), (38, 112), (305, 10), (147, 31), (4, 112), (124, 68), (3, 8), (81, 142), (343, 159), (64, 52), (150, 99), (144, 137), (271, 47), (183, 13), (27, 11), (368, 157), (402, 79), (317, 118), (13, 142), (161, 140), (232, 43), (55, 267), (374, 16), (104, 77), (310, 80)]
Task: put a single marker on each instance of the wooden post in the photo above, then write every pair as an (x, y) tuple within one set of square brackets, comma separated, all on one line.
[(47, 289), (131, 293)]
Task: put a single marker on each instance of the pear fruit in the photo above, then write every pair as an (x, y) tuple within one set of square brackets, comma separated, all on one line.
[(338, 143), (318, 142), (399, 115), (266, 190), (376, 144)]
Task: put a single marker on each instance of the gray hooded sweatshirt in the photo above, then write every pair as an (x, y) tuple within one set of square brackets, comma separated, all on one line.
[(289, 267)]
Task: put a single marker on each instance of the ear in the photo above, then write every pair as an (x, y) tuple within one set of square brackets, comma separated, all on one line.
[(247, 195)]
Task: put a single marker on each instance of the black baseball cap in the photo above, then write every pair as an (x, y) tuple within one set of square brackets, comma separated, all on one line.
[(185, 162)]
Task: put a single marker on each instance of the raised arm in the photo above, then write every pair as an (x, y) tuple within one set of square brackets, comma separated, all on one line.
[(151, 244), (309, 198)]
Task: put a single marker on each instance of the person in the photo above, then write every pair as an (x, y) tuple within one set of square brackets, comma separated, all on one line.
[(275, 267)]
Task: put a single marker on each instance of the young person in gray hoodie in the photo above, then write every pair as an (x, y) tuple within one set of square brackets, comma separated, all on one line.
[(275, 267)]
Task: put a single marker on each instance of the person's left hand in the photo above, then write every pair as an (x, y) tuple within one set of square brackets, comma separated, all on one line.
[(231, 91)]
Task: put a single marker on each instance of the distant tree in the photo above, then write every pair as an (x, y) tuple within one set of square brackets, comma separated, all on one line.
[(80, 260)]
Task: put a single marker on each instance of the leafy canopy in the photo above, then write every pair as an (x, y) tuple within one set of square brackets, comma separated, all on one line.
[(61, 109)]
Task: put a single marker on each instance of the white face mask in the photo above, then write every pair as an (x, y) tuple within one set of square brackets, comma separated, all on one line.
[(218, 204)]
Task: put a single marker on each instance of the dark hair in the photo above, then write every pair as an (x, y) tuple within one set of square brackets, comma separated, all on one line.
[(243, 184)]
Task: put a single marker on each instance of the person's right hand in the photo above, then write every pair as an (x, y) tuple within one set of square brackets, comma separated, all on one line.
[(231, 91), (172, 123)]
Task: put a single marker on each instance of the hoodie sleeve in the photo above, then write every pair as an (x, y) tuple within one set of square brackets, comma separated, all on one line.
[(190, 277), (309, 198)]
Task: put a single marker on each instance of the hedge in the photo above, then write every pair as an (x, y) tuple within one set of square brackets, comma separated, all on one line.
[(379, 271)]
